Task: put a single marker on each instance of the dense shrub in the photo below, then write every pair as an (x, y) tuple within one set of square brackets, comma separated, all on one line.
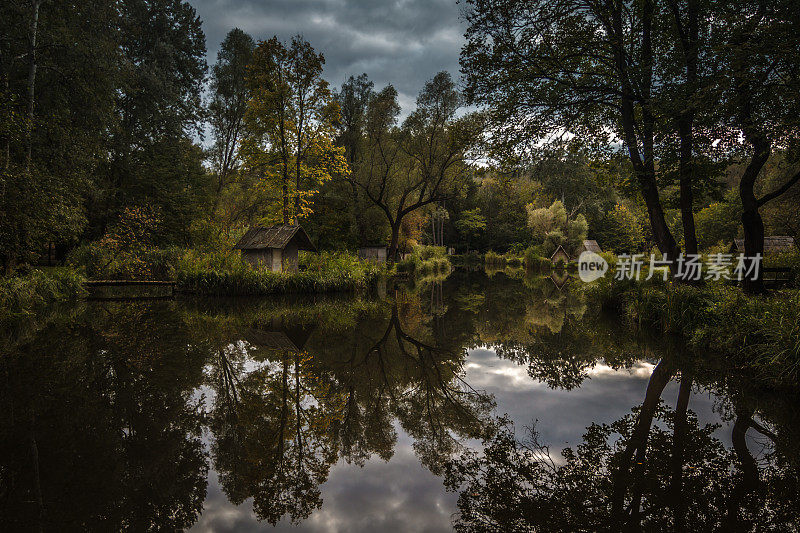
[(24, 294), (425, 260), (759, 333), (326, 272), (533, 260)]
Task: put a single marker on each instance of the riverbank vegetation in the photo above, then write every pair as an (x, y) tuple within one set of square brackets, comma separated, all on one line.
[(27, 293)]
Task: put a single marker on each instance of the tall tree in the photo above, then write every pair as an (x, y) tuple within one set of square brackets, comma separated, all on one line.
[(761, 58), (228, 105), (586, 67), (58, 70), (290, 123)]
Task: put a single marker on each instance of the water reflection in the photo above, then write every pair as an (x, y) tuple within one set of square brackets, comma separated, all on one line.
[(113, 414)]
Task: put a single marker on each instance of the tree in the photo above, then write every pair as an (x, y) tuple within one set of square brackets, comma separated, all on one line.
[(230, 94), (759, 53), (551, 228), (586, 67), (620, 231), (471, 224), (424, 161), (290, 124), (55, 113)]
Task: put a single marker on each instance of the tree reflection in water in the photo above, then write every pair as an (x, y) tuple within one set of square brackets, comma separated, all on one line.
[(104, 407), (656, 469), (282, 420)]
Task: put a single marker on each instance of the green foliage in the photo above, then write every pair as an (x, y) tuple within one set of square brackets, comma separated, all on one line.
[(533, 260), (719, 222), (425, 260), (760, 333), (551, 228), (22, 295), (328, 272), (128, 250), (620, 231)]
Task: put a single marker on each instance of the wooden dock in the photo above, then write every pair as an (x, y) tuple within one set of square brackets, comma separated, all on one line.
[(129, 290)]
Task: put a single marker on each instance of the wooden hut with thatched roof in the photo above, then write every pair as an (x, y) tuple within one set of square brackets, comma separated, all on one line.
[(590, 246), (772, 245), (275, 247)]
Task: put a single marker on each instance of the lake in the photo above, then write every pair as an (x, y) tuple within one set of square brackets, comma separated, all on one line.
[(484, 400)]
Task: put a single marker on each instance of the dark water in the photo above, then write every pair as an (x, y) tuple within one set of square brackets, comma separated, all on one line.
[(351, 414)]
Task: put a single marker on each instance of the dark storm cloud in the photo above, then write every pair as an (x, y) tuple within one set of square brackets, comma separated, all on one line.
[(402, 42)]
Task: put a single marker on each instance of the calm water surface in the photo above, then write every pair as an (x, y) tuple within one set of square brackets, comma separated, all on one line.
[(358, 414)]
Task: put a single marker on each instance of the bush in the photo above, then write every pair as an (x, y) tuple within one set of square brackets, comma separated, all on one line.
[(533, 260), (21, 295), (425, 260), (101, 262), (326, 272), (757, 333)]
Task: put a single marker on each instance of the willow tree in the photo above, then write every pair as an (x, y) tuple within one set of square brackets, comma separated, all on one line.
[(290, 124)]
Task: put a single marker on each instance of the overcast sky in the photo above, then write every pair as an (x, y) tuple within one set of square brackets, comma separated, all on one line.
[(402, 42)]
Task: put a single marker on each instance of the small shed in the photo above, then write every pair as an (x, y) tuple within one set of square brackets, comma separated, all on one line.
[(275, 247), (373, 253), (590, 246), (772, 245), (560, 255)]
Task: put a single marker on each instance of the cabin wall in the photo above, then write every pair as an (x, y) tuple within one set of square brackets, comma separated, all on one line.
[(258, 258), (373, 253), (277, 260), (290, 259)]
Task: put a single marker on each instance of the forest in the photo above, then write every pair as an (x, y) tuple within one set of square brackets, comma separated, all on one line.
[(669, 128)]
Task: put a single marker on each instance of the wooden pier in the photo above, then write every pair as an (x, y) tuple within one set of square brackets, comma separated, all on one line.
[(129, 290)]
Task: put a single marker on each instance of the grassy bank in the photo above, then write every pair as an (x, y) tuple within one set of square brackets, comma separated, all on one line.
[(756, 333), (229, 276), (496, 260), (425, 260), (25, 294)]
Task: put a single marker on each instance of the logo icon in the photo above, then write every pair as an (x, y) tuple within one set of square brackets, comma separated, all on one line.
[(591, 266)]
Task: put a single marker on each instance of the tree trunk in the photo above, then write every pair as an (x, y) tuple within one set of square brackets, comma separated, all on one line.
[(637, 443), (392, 255), (285, 201), (752, 223), (678, 448), (32, 29), (686, 170)]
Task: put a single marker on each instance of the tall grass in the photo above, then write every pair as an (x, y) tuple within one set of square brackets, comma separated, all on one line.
[(757, 333), (326, 272), (502, 260), (22, 295), (425, 260)]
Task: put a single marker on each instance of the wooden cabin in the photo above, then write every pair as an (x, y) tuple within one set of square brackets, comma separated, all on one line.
[(590, 246), (772, 245), (560, 255), (373, 253), (275, 247)]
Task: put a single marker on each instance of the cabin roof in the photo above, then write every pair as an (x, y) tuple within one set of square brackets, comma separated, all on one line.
[(559, 249), (592, 246), (277, 236), (291, 340), (774, 243)]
